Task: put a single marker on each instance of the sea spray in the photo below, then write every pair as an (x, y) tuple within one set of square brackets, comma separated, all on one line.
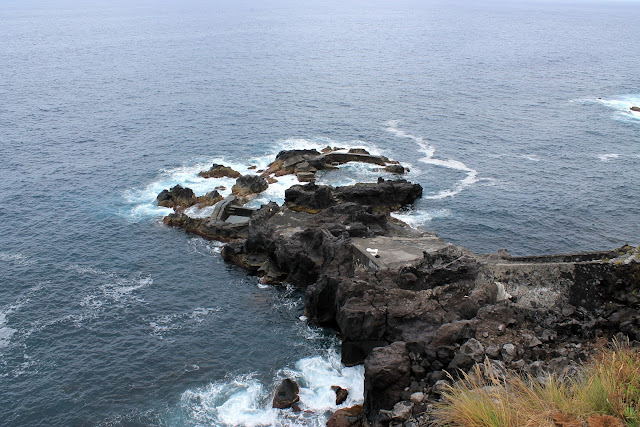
[(245, 400)]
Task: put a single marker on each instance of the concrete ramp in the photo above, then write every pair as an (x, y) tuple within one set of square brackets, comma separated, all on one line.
[(393, 252)]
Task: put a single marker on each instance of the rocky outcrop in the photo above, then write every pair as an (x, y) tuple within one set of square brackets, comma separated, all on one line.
[(286, 394), (220, 171), (386, 375), (423, 309), (388, 194), (176, 196), (385, 195), (305, 163), (249, 184), (181, 198), (206, 227)]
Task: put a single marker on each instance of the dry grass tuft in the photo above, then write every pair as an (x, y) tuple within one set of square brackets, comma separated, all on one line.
[(605, 393)]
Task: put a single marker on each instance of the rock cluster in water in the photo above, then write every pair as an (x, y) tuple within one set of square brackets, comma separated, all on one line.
[(412, 307)]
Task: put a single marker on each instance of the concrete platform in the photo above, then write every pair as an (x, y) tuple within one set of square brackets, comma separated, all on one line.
[(394, 252)]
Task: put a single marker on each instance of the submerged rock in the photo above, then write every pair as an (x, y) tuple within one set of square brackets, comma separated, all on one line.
[(286, 394)]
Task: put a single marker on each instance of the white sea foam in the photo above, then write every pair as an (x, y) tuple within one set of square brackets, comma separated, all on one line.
[(168, 323), (197, 245), (429, 151), (317, 374), (124, 288), (418, 218), (531, 157), (15, 257), (244, 400), (608, 156), (321, 143), (118, 293), (84, 269), (5, 332), (622, 105)]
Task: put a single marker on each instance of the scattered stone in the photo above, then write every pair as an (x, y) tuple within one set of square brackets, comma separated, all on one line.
[(441, 386), (417, 397), (508, 352), (534, 342), (286, 394), (401, 411), (492, 351), (341, 394)]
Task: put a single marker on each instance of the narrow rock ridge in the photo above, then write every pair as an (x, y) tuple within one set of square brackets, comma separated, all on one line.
[(413, 307)]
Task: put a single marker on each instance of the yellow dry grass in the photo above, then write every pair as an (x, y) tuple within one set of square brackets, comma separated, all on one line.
[(605, 393)]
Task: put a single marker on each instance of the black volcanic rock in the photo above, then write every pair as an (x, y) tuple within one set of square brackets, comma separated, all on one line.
[(391, 195), (177, 196), (286, 394), (387, 373), (249, 184), (220, 171), (311, 196)]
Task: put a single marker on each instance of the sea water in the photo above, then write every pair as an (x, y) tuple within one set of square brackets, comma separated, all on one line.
[(513, 116)]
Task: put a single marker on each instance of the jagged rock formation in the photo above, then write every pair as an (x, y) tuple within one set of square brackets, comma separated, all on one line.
[(305, 163), (413, 307), (181, 198), (219, 171)]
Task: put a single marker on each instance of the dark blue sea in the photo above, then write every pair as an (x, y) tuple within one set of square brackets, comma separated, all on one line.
[(513, 115)]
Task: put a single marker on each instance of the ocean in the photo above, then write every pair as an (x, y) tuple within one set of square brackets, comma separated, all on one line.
[(513, 116)]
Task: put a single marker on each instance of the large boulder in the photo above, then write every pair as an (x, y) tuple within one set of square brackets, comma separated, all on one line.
[(387, 373), (286, 394), (249, 184), (220, 171), (310, 196), (347, 417), (287, 160), (177, 196)]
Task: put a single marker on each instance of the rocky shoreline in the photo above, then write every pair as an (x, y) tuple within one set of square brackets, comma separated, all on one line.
[(411, 307)]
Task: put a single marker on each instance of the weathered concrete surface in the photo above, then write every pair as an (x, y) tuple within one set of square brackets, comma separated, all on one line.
[(394, 252)]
